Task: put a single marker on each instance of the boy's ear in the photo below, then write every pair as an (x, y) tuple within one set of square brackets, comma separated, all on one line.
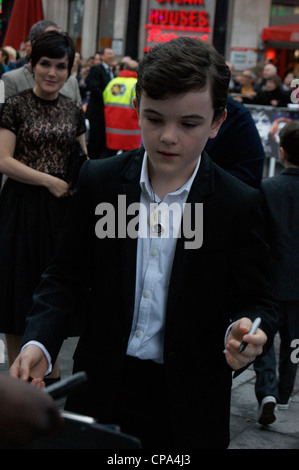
[(217, 124), (283, 153)]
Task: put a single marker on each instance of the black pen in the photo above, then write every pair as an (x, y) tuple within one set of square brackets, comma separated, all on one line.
[(252, 330)]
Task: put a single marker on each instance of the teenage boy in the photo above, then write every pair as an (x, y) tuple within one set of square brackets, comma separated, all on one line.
[(159, 306), (282, 197)]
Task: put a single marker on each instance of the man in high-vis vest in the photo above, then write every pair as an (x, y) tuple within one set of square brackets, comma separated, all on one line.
[(121, 120)]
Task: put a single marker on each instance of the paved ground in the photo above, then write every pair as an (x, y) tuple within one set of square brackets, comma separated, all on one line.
[(246, 433)]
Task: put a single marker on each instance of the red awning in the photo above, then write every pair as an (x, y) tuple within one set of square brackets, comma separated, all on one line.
[(283, 33), (24, 14)]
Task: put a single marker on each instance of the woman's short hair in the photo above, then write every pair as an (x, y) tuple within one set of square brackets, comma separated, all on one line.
[(181, 65), (54, 45), (276, 79)]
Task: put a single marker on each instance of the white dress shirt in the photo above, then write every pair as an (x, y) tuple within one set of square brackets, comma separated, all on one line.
[(154, 263)]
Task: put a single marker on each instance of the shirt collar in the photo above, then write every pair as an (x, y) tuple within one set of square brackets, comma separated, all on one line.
[(106, 67), (146, 186)]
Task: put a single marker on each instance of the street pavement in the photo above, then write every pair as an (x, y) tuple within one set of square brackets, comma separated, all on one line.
[(246, 433)]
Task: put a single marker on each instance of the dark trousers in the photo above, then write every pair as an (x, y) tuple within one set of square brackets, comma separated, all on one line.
[(141, 409), (268, 382)]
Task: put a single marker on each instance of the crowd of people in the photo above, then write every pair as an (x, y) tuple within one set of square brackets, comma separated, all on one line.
[(268, 89), (156, 135)]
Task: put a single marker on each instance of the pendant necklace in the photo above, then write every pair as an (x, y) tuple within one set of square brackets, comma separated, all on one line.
[(154, 220)]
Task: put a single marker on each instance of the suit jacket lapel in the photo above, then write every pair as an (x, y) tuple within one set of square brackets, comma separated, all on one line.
[(202, 187), (131, 189)]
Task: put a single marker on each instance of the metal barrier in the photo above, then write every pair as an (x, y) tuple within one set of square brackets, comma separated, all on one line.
[(269, 120)]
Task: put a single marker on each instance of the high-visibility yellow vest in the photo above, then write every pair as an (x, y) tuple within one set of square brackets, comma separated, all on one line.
[(121, 120)]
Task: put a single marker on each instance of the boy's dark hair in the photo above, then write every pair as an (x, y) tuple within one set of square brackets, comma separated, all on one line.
[(181, 65), (54, 45), (289, 141)]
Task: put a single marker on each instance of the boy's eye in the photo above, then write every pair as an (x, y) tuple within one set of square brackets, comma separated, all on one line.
[(189, 124), (154, 120)]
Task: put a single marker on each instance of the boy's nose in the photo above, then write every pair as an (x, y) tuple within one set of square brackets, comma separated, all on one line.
[(169, 135)]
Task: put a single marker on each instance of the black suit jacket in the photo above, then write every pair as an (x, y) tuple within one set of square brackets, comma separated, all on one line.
[(282, 197), (96, 81), (225, 279)]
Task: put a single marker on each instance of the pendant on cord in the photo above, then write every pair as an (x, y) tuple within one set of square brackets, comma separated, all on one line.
[(155, 221)]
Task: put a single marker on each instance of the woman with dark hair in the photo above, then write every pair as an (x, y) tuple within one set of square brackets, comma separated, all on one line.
[(38, 130), (272, 94)]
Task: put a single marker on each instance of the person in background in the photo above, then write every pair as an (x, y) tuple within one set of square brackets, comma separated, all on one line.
[(12, 57), (38, 128), (97, 79), (26, 58), (121, 118), (282, 200), (269, 70), (97, 58), (238, 147), (287, 81), (246, 88), (4, 58), (272, 94)]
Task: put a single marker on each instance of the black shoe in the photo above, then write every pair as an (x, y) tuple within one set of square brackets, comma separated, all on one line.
[(266, 411)]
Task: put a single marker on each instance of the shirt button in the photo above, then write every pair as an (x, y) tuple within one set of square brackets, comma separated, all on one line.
[(138, 334), (146, 294), (155, 253)]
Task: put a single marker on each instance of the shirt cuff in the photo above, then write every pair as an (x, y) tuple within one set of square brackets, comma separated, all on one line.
[(42, 347)]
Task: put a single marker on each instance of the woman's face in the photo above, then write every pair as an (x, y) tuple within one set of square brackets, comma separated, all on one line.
[(270, 85), (50, 76)]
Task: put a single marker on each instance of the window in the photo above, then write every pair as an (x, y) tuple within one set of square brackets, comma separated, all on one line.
[(76, 10), (106, 23)]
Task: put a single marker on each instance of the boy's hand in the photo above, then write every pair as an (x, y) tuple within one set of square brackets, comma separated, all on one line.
[(31, 362), (238, 333)]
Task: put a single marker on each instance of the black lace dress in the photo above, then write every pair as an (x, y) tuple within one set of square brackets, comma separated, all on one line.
[(30, 216)]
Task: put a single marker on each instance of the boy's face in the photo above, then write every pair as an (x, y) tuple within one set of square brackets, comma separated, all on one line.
[(175, 131)]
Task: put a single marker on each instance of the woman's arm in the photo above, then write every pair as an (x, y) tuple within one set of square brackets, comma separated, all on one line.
[(20, 172), (82, 140)]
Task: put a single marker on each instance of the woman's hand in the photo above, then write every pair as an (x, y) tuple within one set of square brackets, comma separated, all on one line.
[(58, 187)]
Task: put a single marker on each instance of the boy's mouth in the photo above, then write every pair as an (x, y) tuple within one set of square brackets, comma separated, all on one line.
[(168, 154)]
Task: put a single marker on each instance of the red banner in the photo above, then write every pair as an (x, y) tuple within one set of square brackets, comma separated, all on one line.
[(284, 33), (24, 14)]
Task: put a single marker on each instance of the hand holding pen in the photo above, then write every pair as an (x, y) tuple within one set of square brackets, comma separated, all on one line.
[(238, 355), (252, 331)]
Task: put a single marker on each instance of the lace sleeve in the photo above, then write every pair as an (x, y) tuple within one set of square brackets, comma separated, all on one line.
[(8, 118)]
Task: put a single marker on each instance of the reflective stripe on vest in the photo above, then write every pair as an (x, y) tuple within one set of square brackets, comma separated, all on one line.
[(122, 128)]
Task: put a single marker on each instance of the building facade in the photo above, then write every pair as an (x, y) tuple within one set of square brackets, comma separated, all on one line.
[(130, 27)]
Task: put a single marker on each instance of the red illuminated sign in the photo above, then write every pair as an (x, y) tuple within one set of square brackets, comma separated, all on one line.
[(178, 18), (183, 2)]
